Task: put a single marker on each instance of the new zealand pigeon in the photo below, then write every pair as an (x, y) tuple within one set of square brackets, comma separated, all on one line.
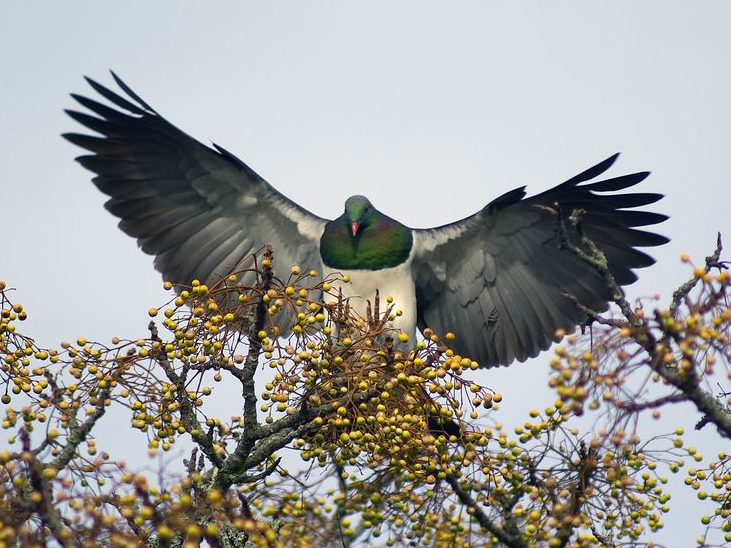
[(498, 278)]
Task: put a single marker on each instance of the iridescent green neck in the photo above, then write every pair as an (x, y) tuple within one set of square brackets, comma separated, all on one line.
[(381, 242)]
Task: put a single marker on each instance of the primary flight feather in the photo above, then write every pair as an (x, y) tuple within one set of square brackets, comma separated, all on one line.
[(498, 278)]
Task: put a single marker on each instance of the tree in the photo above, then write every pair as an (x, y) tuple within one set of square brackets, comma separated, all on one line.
[(398, 449)]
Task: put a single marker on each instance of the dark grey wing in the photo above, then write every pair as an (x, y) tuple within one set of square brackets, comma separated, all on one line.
[(498, 278), (199, 211)]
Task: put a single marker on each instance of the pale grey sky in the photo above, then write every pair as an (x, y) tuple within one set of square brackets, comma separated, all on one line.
[(430, 108)]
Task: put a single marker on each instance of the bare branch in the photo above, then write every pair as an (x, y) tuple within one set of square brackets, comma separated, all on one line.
[(682, 292), (654, 404)]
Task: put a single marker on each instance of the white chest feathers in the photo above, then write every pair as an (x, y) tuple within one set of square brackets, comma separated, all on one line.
[(396, 283)]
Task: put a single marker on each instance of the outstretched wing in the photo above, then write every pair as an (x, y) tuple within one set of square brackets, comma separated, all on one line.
[(198, 210), (499, 278)]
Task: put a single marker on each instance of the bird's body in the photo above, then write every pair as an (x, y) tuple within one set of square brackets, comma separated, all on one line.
[(375, 253), (500, 278), (391, 284)]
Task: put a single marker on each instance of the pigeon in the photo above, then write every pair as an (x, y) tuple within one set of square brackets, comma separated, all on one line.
[(502, 279)]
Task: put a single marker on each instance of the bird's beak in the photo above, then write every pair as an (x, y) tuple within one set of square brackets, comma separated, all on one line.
[(354, 225)]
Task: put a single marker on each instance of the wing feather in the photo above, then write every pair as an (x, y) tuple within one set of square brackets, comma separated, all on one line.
[(500, 277), (199, 210)]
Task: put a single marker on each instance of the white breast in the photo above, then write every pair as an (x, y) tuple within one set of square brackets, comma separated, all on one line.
[(396, 282)]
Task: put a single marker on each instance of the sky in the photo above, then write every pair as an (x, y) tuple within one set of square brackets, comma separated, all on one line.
[(431, 109)]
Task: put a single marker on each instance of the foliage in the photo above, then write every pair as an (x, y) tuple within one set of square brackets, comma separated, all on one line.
[(398, 448)]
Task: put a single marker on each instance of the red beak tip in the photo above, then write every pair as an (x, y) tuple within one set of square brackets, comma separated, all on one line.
[(354, 225)]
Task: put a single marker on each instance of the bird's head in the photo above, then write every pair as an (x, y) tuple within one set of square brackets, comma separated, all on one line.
[(358, 211)]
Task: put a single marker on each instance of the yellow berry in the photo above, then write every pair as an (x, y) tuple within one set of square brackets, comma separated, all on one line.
[(49, 473)]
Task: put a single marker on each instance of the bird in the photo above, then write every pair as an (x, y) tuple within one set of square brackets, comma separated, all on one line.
[(500, 278)]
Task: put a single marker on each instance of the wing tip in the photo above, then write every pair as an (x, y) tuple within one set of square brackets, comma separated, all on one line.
[(510, 197), (611, 160), (89, 80), (660, 239), (77, 97), (131, 93), (604, 165), (71, 137), (592, 172)]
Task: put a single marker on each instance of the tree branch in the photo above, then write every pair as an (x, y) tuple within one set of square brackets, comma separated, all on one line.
[(585, 471), (509, 540), (682, 292), (687, 383), (248, 370), (44, 503), (78, 433), (659, 402), (187, 412)]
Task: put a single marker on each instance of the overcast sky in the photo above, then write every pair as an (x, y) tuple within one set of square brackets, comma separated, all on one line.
[(430, 108)]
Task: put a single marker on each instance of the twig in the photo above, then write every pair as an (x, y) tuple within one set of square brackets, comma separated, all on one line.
[(594, 315), (659, 402), (585, 471), (44, 504), (509, 540), (252, 358), (687, 383), (187, 412), (268, 471), (78, 434), (683, 291)]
